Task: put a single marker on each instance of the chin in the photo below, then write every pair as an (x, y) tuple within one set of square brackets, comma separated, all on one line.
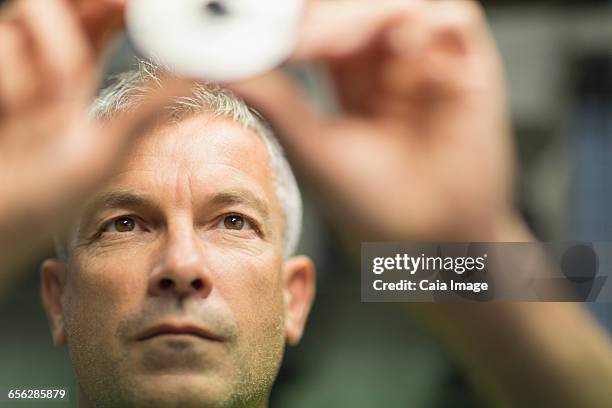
[(182, 390)]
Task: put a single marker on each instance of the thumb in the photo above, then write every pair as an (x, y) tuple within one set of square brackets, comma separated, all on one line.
[(113, 137), (102, 20), (300, 128)]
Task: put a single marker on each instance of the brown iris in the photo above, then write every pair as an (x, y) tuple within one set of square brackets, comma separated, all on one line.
[(234, 222), (124, 224)]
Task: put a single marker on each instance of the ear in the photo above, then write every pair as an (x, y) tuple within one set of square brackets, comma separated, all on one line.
[(299, 290), (53, 278)]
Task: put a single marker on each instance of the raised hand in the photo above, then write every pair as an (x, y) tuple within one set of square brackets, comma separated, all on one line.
[(422, 149), (51, 153)]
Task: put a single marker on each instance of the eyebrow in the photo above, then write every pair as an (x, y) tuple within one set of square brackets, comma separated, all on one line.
[(130, 199), (242, 197), (117, 199)]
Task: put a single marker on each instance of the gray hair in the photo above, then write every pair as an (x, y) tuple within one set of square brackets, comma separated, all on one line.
[(128, 89)]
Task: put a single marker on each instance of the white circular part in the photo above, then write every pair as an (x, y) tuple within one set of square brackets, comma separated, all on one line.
[(222, 40)]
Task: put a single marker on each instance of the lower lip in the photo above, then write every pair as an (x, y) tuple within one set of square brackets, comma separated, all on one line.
[(178, 336)]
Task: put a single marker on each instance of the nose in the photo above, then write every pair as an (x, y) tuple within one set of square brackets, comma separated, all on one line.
[(181, 270)]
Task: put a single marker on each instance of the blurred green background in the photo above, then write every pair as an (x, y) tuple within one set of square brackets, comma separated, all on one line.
[(559, 66)]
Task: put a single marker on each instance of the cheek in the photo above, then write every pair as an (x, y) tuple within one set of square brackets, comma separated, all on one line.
[(102, 290), (252, 288), (250, 285)]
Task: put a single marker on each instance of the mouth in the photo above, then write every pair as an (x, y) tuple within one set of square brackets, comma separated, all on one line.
[(180, 331)]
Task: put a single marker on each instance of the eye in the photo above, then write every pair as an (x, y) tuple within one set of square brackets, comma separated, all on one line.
[(235, 222), (122, 224)]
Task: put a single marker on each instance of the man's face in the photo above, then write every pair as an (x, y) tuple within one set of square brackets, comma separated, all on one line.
[(176, 293)]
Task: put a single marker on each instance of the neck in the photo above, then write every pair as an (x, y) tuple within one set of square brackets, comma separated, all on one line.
[(84, 402)]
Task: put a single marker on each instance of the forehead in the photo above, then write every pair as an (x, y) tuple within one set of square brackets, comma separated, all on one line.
[(201, 141), (198, 156)]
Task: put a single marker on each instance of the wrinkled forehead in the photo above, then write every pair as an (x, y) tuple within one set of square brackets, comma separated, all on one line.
[(201, 141), (196, 158)]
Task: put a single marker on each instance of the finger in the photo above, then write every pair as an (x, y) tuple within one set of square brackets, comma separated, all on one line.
[(158, 96), (116, 134), (102, 20), (342, 28), (460, 52), (17, 78), (59, 42), (336, 29), (438, 50), (462, 23), (280, 101), (88, 152)]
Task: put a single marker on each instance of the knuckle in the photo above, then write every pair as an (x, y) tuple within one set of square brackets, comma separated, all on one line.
[(75, 70), (469, 12)]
